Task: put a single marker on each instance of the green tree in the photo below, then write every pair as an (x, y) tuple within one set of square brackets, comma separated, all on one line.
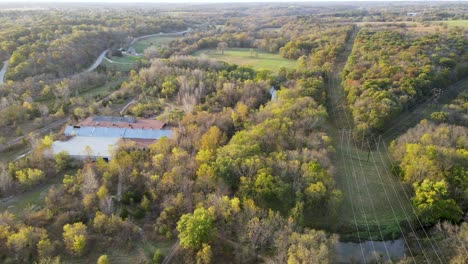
[(75, 237), (196, 229), (158, 257), (103, 260), (432, 204), (204, 255), (62, 160)]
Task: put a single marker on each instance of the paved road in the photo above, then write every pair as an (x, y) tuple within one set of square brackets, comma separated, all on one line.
[(3, 71), (97, 62)]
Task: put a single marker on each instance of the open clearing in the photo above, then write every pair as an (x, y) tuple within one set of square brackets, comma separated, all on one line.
[(454, 23), (124, 63), (243, 56), (158, 41), (373, 199), (372, 196), (140, 253), (31, 198)]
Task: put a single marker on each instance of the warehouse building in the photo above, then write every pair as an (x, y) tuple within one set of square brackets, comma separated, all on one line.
[(99, 136)]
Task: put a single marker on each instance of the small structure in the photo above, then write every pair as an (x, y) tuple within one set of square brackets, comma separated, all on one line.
[(98, 136), (412, 14)]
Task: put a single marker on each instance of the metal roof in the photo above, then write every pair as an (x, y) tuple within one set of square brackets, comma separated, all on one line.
[(87, 131), (77, 146), (114, 119)]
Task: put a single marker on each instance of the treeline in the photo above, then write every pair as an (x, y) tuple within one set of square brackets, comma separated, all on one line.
[(431, 158), (62, 43), (219, 185), (388, 72)]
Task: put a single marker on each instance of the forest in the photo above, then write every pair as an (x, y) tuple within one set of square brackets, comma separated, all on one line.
[(284, 164)]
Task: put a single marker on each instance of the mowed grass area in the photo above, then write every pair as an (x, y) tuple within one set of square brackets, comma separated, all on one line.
[(124, 63), (157, 41), (372, 197), (453, 23), (243, 56)]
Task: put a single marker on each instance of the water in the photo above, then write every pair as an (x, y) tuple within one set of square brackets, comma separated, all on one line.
[(273, 94), (350, 252)]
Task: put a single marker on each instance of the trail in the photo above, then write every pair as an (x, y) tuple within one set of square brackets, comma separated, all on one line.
[(173, 250)]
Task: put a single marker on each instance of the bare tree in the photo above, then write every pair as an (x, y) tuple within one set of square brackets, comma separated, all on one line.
[(6, 181), (90, 182), (222, 46)]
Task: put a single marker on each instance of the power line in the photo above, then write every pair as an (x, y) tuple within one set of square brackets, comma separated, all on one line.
[(413, 209), (352, 205)]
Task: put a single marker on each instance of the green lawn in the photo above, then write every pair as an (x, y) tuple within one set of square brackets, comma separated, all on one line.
[(158, 41), (262, 60), (102, 90), (454, 23), (372, 196), (124, 63)]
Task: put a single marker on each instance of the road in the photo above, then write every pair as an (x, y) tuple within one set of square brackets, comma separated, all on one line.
[(97, 62), (3, 71)]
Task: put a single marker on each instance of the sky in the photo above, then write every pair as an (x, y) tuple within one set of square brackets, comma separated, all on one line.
[(198, 1)]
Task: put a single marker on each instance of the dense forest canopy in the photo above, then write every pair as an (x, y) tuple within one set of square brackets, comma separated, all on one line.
[(264, 165)]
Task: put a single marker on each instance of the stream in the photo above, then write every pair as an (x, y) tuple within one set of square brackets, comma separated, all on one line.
[(350, 252)]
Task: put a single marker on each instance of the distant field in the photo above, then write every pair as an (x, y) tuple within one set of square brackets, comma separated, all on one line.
[(159, 41), (454, 23), (263, 60)]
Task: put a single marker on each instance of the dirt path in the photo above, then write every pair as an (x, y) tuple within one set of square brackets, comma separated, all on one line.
[(173, 250)]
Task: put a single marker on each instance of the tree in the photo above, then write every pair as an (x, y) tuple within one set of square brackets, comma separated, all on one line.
[(204, 255), (196, 229), (158, 257), (310, 247), (75, 238), (103, 260), (432, 204), (62, 160), (222, 46)]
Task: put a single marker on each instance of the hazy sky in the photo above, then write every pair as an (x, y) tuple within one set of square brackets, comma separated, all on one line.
[(196, 1)]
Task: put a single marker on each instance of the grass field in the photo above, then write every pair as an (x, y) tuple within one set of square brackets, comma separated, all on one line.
[(453, 23), (124, 63), (373, 199), (32, 198), (263, 60), (158, 41)]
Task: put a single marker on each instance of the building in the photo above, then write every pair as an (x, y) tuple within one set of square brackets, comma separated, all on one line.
[(98, 136)]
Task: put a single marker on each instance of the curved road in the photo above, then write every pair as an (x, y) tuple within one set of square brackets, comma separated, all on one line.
[(97, 62)]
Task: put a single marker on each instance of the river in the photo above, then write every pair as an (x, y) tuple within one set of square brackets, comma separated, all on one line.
[(350, 252)]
